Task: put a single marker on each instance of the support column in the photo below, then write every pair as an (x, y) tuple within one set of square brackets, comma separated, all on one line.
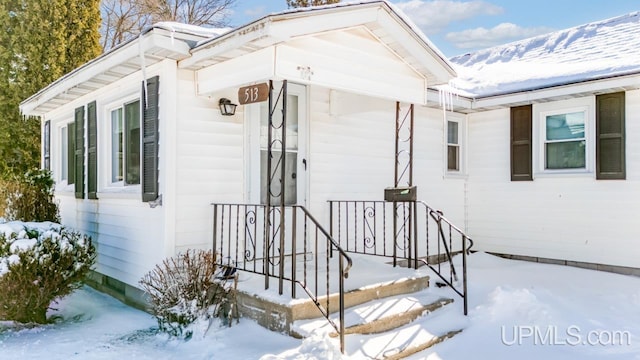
[(403, 212), (274, 215)]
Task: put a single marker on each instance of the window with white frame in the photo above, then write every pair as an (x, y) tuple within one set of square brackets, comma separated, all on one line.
[(564, 140), (453, 145), (125, 144)]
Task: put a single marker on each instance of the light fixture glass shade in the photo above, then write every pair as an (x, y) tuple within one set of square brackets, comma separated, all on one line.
[(227, 108)]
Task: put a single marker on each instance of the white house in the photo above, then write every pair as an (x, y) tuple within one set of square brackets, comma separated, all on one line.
[(553, 146), (533, 156), (139, 170)]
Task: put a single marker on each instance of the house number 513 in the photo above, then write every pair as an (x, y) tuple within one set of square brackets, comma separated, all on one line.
[(253, 93)]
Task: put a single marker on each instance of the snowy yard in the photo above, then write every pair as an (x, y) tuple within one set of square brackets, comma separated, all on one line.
[(517, 310)]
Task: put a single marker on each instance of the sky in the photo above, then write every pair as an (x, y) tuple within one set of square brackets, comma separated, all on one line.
[(463, 26)]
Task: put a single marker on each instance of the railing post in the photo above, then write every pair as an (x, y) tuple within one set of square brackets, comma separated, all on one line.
[(395, 234), (464, 273), (215, 230), (294, 211), (415, 234), (341, 305), (331, 227)]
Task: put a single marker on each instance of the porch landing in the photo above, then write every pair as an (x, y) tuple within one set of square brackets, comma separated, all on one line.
[(371, 278)]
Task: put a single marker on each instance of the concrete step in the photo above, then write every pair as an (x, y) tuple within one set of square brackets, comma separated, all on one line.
[(308, 310), (409, 339), (394, 321), (377, 315), (393, 327)]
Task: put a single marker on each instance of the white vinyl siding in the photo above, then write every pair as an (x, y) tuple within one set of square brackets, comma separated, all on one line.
[(352, 142), (209, 162), (559, 215), (130, 236)]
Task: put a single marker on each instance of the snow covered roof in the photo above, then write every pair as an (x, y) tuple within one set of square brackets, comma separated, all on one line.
[(204, 32), (599, 50)]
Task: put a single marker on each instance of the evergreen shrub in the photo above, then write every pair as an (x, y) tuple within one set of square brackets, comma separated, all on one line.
[(29, 197), (39, 263)]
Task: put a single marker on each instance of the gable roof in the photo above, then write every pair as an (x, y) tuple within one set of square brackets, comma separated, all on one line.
[(595, 51), (383, 19), (195, 48)]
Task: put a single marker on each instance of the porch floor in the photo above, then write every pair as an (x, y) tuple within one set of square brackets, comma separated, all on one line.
[(367, 272)]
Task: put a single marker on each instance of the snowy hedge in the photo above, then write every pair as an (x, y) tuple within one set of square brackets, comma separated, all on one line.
[(39, 263)]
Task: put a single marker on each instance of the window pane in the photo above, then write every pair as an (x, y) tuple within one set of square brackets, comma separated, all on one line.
[(117, 146), (292, 122), (452, 132), (566, 155), (452, 158), (565, 126), (290, 196), (64, 150), (132, 145), (291, 154)]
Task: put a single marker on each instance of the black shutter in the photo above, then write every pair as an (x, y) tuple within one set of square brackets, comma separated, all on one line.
[(71, 153), (610, 136), (79, 153), (150, 140), (47, 145), (92, 147), (521, 167)]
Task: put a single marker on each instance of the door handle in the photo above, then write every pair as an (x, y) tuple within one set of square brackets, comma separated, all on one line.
[(304, 162)]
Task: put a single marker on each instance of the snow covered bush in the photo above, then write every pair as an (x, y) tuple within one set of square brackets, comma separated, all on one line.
[(39, 263), (184, 289), (29, 198)]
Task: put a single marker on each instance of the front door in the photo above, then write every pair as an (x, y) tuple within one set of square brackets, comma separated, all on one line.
[(295, 160)]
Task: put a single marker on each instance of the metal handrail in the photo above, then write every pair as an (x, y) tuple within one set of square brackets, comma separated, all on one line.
[(236, 226), (364, 227)]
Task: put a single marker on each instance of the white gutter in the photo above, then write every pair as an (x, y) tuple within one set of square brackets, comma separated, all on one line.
[(98, 66)]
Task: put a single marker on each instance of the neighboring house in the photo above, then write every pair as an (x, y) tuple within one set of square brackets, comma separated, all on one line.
[(533, 156)]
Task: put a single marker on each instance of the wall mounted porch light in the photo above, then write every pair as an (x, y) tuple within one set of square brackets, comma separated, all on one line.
[(227, 108)]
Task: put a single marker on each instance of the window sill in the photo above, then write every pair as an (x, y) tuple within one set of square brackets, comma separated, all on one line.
[(63, 188), (565, 173), (121, 192), (455, 175)]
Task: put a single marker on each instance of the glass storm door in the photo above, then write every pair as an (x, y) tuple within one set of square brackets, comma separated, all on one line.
[(295, 162)]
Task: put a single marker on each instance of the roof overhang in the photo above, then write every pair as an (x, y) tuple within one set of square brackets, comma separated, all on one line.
[(602, 85), (151, 47), (378, 17)]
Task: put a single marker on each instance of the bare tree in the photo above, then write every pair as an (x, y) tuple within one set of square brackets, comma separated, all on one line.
[(307, 3), (121, 21), (195, 12), (125, 19)]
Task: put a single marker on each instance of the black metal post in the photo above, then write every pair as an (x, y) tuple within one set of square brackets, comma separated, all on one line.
[(267, 209), (283, 180)]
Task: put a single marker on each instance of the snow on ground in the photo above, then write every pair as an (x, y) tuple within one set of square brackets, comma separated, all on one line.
[(517, 310)]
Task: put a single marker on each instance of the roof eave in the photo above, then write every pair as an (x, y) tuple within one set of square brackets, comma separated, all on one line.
[(277, 28), (555, 92), (79, 81)]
